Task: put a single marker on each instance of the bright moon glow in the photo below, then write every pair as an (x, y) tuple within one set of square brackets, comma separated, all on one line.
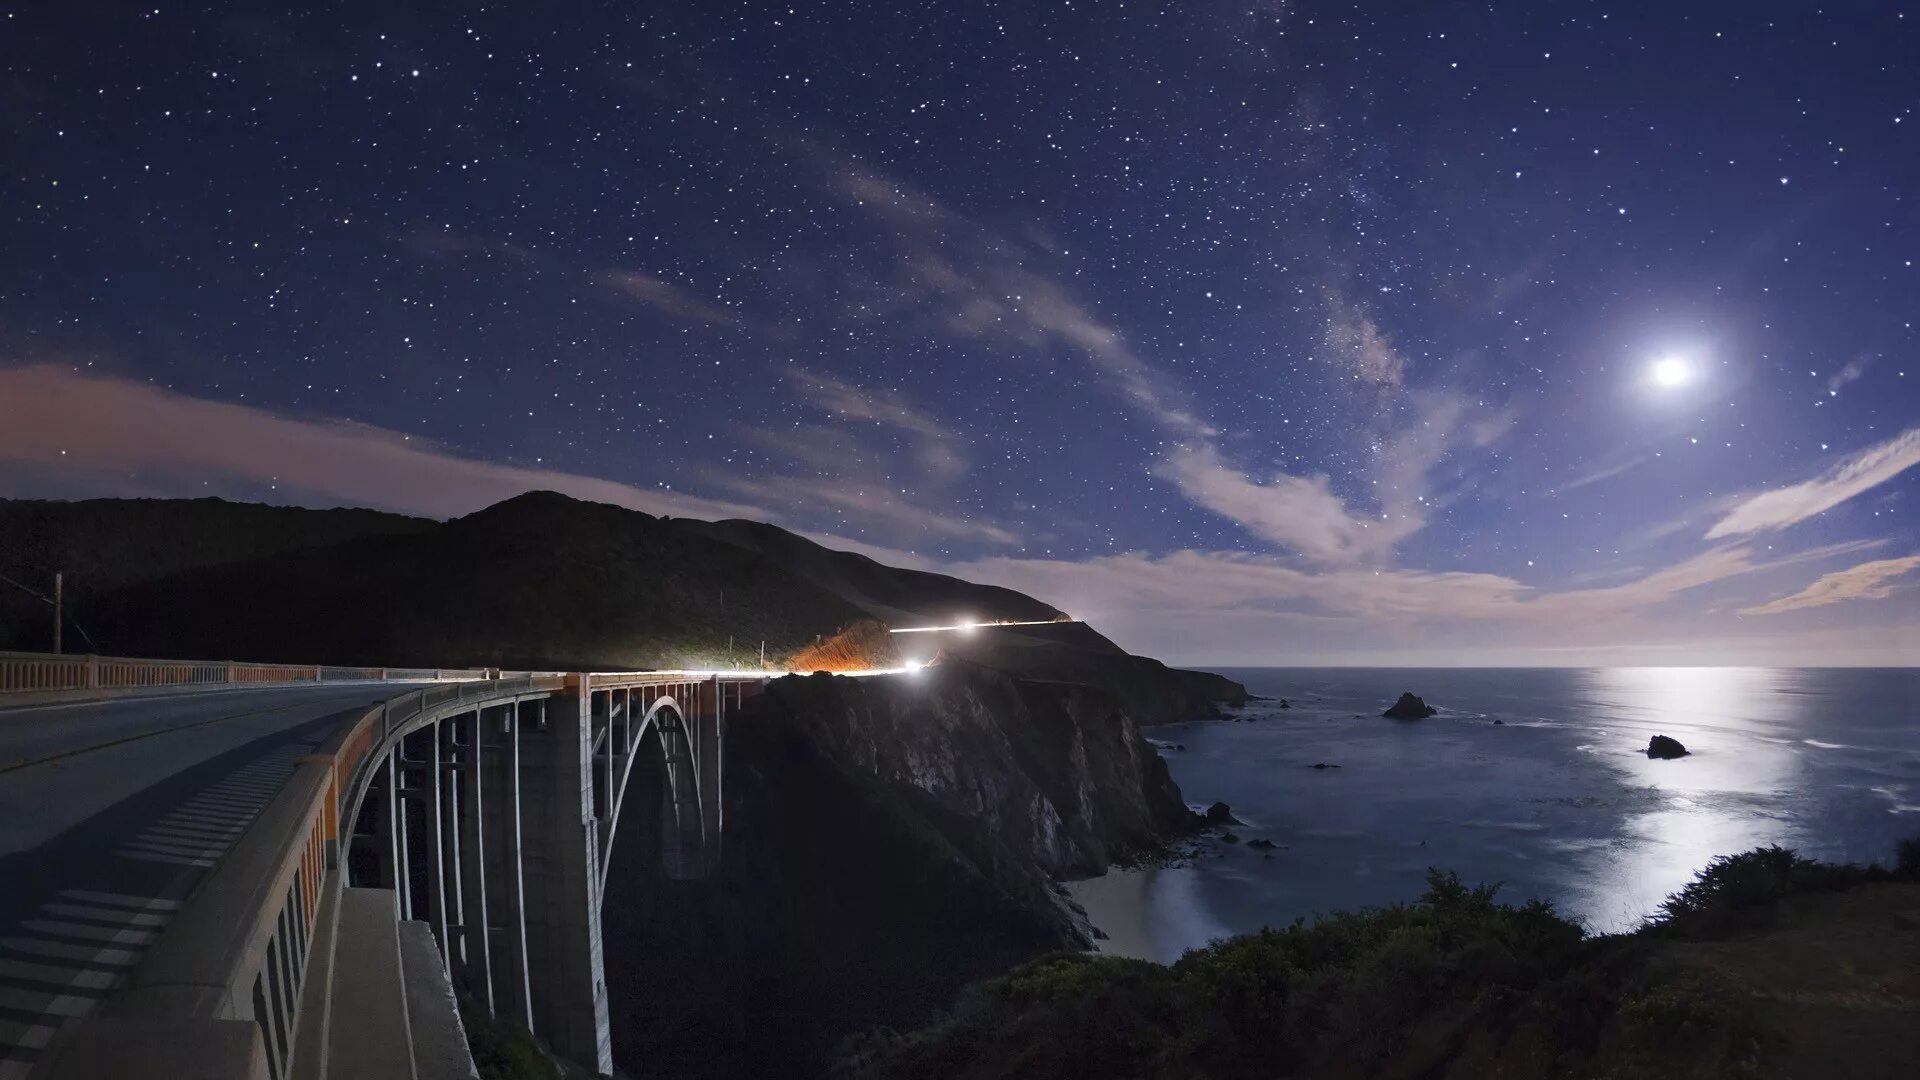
[(1671, 371)]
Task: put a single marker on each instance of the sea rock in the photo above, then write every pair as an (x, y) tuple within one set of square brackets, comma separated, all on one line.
[(1499, 723), (1662, 746), (1221, 814), (1262, 843), (1285, 704), (1410, 707), (1322, 765), (1230, 838)]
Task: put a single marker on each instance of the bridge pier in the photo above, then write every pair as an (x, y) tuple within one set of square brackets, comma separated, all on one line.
[(504, 883), (476, 945), (561, 863)]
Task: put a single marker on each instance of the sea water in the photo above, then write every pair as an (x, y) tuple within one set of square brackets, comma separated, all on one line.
[(1556, 800)]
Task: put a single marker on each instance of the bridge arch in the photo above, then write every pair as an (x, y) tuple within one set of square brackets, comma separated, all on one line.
[(661, 733)]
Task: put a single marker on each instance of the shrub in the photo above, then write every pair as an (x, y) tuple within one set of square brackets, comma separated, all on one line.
[(502, 1051), (1906, 861), (1732, 885)]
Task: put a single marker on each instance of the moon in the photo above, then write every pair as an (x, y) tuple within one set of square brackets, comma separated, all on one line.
[(1671, 371)]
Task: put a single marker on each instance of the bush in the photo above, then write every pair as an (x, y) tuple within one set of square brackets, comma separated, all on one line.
[(502, 1051), (1732, 885), (1346, 988)]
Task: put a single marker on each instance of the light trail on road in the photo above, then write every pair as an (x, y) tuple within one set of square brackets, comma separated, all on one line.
[(970, 626)]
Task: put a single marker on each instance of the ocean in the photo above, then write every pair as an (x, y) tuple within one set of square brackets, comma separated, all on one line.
[(1557, 800)]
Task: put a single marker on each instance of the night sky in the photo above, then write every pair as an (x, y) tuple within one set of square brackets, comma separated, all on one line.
[(1416, 332)]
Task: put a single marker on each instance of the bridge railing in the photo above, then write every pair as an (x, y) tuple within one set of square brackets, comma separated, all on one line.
[(22, 672), (238, 950)]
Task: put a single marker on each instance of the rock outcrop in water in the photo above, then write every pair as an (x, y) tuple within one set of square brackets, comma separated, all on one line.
[(886, 842), (1409, 707), (1662, 746)]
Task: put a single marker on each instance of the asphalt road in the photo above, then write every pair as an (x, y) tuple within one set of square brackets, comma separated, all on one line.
[(110, 813)]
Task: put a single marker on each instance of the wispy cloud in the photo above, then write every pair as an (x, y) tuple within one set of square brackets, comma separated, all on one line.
[(664, 296), (982, 285), (1867, 581), (855, 476), (938, 447), (1849, 372), (1199, 582), (1604, 470), (108, 434), (1305, 516), (1299, 513), (1782, 507)]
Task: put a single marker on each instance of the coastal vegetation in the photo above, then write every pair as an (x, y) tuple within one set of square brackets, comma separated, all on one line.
[(1458, 984)]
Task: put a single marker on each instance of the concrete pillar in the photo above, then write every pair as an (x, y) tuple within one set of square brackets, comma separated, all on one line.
[(476, 969), (453, 820), (397, 797), (709, 731), (562, 873), (436, 839), (505, 882)]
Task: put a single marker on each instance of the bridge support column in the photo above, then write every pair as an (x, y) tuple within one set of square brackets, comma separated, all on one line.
[(476, 945), (709, 728), (561, 861), (505, 888)]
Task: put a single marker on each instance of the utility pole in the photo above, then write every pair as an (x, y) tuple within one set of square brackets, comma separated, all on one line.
[(58, 580)]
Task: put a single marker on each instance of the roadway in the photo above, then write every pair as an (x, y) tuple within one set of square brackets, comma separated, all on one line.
[(111, 812)]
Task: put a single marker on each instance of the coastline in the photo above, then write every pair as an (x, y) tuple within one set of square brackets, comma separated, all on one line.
[(1533, 778)]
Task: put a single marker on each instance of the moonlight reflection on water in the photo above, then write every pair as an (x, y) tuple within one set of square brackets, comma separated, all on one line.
[(1558, 800)]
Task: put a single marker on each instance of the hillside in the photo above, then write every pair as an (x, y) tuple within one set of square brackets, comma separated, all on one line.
[(538, 581), (106, 544), (890, 594)]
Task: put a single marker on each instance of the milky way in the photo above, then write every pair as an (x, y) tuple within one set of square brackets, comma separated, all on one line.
[(1416, 332)]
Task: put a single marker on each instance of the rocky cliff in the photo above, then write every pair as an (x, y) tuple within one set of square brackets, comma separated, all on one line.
[(887, 841)]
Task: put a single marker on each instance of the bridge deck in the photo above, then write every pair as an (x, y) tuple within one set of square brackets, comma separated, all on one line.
[(111, 812)]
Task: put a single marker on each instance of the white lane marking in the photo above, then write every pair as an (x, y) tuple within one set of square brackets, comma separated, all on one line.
[(144, 903), (124, 918), (83, 932), (63, 951), (176, 860), (43, 1003), (25, 1036), (22, 971), (174, 847), (194, 832)]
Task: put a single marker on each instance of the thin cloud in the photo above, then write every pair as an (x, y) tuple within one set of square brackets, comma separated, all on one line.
[(664, 296), (843, 471), (1302, 513), (1201, 582), (126, 436), (1782, 507), (1299, 513), (1867, 581), (1849, 372), (1606, 471), (937, 447), (979, 285)]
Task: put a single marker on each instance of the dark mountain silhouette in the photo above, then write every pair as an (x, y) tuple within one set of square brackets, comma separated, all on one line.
[(537, 581), (105, 544)]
